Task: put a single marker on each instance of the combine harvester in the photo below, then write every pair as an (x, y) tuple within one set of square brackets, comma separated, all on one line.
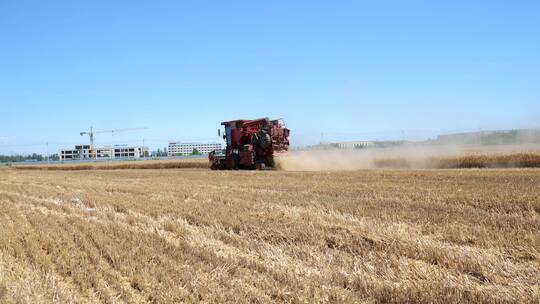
[(251, 144)]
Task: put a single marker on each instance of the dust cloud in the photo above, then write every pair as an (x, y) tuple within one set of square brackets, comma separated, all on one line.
[(415, 156)]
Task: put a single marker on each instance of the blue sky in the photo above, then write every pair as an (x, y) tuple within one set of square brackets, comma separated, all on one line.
[(347, 69)]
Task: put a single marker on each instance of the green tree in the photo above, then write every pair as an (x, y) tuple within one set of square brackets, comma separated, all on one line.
[(195, 152)]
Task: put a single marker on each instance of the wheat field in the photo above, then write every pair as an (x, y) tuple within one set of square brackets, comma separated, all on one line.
[(115, 165), (329, 160), (194, 235)]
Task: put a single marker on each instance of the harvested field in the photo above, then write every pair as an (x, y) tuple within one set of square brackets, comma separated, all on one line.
[(192, 235)]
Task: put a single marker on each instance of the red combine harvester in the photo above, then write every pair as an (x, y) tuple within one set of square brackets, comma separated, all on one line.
[(251, 144)]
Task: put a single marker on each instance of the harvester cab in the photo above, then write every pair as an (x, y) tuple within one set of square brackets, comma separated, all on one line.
[(251, 144)]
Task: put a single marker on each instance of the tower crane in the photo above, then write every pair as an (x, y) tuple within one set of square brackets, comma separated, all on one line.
[(92, 132)]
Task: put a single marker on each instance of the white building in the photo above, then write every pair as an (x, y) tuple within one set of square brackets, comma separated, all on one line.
[(182, 148), (354, 144), (82, 152)]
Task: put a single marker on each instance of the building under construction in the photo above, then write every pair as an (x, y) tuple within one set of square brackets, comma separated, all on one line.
[(85, 152), (90, 152)]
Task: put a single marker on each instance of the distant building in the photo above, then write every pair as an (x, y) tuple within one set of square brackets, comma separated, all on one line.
[(354, 144), (82, 152), (496, 137), (346, 145), (181, 148)]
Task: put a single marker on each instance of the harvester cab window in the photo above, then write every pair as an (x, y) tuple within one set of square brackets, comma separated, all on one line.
[(228, 135)]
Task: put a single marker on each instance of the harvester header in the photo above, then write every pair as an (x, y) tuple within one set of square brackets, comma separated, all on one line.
[(251, 144)]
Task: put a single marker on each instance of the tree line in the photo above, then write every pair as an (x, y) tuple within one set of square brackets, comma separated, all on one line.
[(29, 157)]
